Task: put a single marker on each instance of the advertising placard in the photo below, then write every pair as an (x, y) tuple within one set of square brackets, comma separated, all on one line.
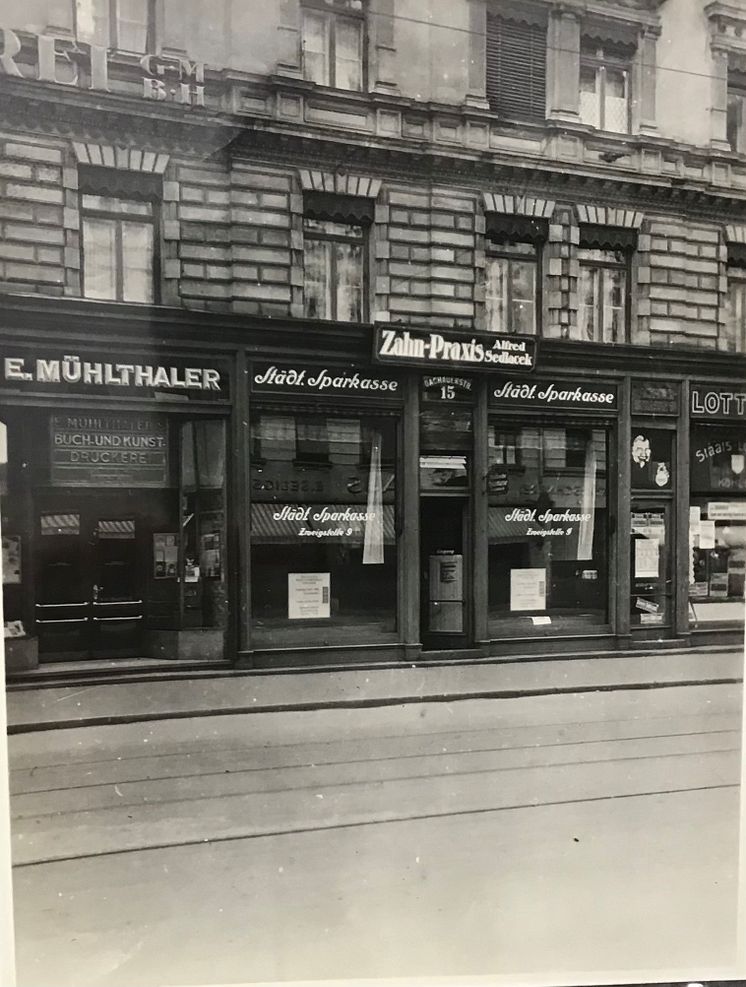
[(309, 595)]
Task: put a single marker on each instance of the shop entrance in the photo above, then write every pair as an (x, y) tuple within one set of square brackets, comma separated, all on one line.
[(444, 583), (90, 582)]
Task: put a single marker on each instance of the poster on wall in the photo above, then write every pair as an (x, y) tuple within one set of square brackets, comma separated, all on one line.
[(165, 555), (309, 595), (528, 589), (11, 560)]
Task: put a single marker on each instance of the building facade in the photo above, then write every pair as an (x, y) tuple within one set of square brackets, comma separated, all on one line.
[(347, 332)]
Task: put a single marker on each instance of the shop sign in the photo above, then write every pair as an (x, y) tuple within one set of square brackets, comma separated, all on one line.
[(712, 401), (73, 63), (654, 398), (444, 387), (284, 378), (560, 394), (83, 374), (123, 450), (546, 524), (476, 351)]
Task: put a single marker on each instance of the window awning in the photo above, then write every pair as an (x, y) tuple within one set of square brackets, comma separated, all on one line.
[(355, 209), (607, 237)]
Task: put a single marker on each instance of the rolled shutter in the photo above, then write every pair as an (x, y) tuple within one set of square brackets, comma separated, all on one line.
[(516, 68)]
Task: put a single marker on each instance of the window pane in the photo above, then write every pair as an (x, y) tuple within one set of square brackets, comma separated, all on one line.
[(132, 25), (495, 295), (349, 280), (348, 55), (614, 282), (734, 335), (99, 258), (616, 108), (317, 278), (316, 48), (124, 207), (587, 303), (523, 297), (92, 21), (590, 102), (734, 124), (137, 262), (547, 527)]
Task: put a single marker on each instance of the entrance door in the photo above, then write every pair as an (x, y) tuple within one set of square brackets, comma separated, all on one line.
[(89, 586), (444, 595), (651, 605)]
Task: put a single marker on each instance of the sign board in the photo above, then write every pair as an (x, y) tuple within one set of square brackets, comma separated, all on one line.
[(116, 377), (300, 378), (88, 449), (654, 398), (567, 395), (718, 401), (726, 510), (447, 387), (444, 348)]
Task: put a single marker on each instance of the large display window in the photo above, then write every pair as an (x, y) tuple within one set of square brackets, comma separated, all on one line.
[(323, 528), (547, 528), (717, 524)]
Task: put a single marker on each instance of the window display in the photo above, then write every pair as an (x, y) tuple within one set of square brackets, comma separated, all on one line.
[(323, 535), (717, 525), (547, 527)]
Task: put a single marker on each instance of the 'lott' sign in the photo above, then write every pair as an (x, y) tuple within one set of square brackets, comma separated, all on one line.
[(477, 351), (302, 379), (68, 62), (589, 396), (714, 401), (74, 372)]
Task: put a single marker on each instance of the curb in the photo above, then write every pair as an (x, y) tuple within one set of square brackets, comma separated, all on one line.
[(382, 701)]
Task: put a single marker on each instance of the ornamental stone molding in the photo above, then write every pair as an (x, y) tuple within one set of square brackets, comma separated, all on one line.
[(326, 181), (518, 205), (122, 158), (606, 216)]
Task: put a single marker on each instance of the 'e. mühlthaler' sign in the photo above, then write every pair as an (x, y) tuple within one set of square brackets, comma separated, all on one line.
[(439, 348), (78, 372)]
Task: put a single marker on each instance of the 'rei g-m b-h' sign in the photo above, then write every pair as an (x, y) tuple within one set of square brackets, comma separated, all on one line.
[(439, 348)]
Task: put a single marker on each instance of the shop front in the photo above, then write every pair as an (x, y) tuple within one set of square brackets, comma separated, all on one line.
[(114, 505)]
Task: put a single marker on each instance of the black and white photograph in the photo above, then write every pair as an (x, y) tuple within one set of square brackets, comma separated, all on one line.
[(372, 492)]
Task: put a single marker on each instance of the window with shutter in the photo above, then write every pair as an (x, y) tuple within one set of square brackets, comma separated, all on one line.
[(516, 67)]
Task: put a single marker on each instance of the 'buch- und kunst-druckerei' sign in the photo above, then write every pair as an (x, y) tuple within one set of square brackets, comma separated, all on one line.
[(441, 348)]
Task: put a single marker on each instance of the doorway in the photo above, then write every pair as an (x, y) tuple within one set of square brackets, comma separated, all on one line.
[(444, 583), (89, 579)]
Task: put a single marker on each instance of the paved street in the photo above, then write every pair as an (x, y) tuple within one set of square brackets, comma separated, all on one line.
[(566, 832)]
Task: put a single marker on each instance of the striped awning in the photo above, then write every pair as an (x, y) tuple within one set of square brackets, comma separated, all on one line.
[(266, 529), (124, 529), (60, 524)]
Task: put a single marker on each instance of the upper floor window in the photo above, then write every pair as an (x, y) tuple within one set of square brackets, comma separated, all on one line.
[(333, 43), (124, 25), (735, 115), (605, 84), (513, 274), (734, 338), (118, 234), (516, 54)]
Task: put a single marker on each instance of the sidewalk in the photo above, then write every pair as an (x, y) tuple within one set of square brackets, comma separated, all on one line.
[(255, 692)]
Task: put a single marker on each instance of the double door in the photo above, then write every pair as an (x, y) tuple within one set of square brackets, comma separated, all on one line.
[(89, 579)]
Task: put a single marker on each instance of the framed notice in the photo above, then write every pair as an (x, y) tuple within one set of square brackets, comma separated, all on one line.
[(165, 555), (11, 560), (309, 595), (647, 558), (528, 589)]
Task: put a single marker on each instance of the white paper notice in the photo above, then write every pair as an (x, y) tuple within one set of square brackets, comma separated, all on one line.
[(695, 516), (707, 534), (528, 589), (647, 558), (308, 595)]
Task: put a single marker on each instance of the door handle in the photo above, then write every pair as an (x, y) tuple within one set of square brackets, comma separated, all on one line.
[(95, 591)]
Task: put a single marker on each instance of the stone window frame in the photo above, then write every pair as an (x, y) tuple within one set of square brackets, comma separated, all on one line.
[(343, 186), (153, 27)]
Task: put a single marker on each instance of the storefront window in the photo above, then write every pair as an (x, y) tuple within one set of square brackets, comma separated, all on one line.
[(547, 527), (717, 525), (323, 528)]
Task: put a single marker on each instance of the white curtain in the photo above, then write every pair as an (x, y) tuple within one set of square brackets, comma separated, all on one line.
[(586, 529), (373, 544)]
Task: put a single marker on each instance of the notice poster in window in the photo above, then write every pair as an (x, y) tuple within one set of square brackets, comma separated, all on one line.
[(528, 589), (707, 534), (165, 555), (11, 560), (647, 558), (309, 595)]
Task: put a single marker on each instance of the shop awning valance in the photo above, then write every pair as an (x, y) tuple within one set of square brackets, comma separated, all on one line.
[(338, 208)]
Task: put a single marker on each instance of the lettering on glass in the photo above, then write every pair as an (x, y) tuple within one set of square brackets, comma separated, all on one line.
[(108, 450)]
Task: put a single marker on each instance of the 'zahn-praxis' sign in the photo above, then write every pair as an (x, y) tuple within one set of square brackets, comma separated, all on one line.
[(68, 62), (433, 348)]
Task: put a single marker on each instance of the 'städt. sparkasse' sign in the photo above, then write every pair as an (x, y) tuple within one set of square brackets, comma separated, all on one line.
[(440, 348)]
